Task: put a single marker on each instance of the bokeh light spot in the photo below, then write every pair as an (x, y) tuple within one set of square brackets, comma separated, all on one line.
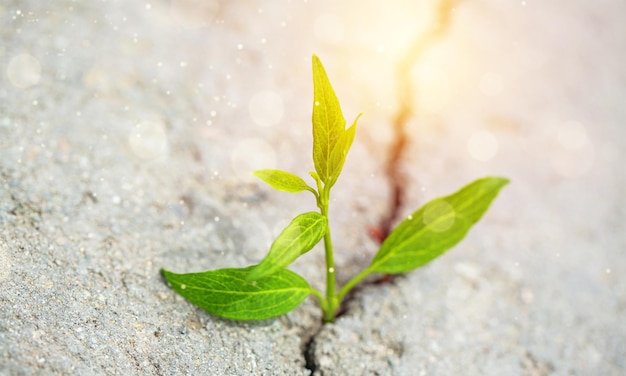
[(572, 153), (250, 155), (148, 140), (266, 108), (490, 84), (329, 28), (24, 71), (482, 146), (439, 216), (572, 135)]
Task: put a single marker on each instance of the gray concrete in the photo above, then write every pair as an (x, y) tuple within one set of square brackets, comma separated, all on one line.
[(128, 129)]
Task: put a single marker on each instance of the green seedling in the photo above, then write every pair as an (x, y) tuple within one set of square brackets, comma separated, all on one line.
[(269, 289)]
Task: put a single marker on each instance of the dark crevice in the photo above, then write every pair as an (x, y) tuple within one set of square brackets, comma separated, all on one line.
[(309, 354), (407, 97)]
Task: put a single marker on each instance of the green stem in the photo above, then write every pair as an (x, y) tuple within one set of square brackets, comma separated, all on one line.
[(331, 300), (348, 286), (319, 296)]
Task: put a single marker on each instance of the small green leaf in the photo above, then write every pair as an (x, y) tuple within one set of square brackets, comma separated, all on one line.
[(228, 293), (435, 227), (328, 122), (299, 237), (340, 151), (283, 180)]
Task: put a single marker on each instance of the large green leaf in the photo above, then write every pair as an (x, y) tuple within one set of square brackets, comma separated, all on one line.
[(330, 141), (435, 227), (228, 293), (283, 180), (299, 237)]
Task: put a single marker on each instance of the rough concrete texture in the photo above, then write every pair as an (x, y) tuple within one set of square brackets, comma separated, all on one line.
[(128, 131)]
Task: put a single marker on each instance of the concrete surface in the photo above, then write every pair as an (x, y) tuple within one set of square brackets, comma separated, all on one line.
[(128, 131)]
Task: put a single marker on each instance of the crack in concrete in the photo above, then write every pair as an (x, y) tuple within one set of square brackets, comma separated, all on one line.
[(393, 169), (407, 97)]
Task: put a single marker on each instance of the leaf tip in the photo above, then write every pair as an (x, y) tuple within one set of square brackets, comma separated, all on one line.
[(502, 181)]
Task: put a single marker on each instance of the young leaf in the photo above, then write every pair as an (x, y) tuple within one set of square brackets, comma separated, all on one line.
[(340, 151), (435, 227), (328, 127), (228, 293), (283, 181), (299, 237)]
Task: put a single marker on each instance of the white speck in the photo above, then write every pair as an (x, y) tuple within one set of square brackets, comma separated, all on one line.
[(35, 103), (148, 6), (183, 64), (216, 219), (213, 113), (608, 271), (240, 46), (410, 217), (116, 199), (263, 40), (331, 270), (182, 287), (317, 103)]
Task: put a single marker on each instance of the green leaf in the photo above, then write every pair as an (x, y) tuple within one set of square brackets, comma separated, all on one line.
[(340, 151), (435, 227), (328, 124), (228, 293), (283, 181), (299, 237)]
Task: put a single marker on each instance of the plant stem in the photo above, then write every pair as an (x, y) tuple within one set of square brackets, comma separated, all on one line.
[(330, 305), (348, 286), (319, 296)]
